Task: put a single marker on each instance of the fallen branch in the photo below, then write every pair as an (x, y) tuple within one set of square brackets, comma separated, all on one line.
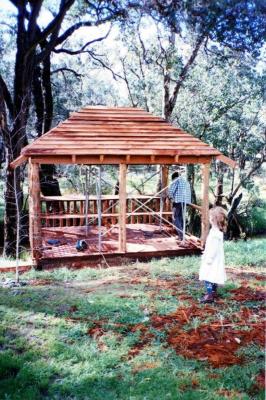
[(238, 324)]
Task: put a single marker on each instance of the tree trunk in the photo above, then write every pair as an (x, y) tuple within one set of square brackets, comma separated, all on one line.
[(194, 218), (219, 185), (43, 102), (219, 190), (10, 212)]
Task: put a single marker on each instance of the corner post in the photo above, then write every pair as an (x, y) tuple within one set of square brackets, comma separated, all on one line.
[(35, 212), (122, 208), (205, 203), (164, 172)]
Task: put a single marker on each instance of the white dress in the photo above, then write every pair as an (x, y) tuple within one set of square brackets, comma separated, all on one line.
[(212, 263)]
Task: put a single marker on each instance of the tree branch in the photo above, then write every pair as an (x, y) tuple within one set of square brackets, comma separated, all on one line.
[(15, 3), (35, 10), (7, 96), (115, 75), (63, 69), (82, 49), (184, 73), (82, 24), (255, 167), (127, 84), (222, 112), (53, 25)]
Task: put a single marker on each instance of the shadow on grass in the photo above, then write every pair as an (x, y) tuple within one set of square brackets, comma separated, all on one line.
[(61, 303)]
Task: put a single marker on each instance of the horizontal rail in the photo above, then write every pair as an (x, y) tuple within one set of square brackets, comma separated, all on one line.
[(69, 216), (94, 197), (70, 210)]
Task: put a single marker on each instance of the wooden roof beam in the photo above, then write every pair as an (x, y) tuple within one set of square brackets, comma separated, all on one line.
[(18, 161), (227, 160), (120, 159)]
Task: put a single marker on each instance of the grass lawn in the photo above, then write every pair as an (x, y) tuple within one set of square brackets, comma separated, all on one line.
[(135, 332)]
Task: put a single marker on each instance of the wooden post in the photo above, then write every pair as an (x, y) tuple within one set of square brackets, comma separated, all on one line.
[(122, 208), (35, 212), (164, 179), (205, 203)]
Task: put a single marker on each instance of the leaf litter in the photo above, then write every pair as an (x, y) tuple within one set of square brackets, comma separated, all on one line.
[(217, 341)]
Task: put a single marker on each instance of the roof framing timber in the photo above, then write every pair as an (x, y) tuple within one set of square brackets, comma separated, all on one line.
[(121, 159), (104, 135)]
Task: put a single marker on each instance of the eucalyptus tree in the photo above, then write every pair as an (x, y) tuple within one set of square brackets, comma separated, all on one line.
[(234, 24), (31, 86), (222, 104), (222, 32)]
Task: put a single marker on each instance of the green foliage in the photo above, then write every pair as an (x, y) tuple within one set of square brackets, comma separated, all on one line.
[(232, 23), (250, 252), (254, 219)]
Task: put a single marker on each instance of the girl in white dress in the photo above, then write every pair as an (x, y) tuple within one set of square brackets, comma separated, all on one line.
[(212, 270)]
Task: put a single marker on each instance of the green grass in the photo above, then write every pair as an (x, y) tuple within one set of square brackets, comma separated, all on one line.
[(70, 334), (24, 258), (246, 253)]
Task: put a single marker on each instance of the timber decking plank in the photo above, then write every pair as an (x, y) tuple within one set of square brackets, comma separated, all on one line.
[(138, 244)]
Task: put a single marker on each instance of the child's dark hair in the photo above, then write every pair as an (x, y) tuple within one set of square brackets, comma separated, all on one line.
[(219, 215), (175, 175)]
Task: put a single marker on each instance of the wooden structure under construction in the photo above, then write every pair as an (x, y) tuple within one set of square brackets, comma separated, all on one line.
[(108, 136)]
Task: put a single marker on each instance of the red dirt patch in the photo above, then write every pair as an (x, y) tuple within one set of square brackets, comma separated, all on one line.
[(144, 340), (146, 365), (248, 294), (95, 332), (229, 394), (194, 383), (181, 316), (73, 308), (260, 380), (260, 278), (216, 344)]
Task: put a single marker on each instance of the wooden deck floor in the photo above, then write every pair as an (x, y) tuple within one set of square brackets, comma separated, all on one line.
[(143, 241)]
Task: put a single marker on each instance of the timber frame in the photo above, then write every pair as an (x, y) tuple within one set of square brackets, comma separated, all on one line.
[(114, 136)]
